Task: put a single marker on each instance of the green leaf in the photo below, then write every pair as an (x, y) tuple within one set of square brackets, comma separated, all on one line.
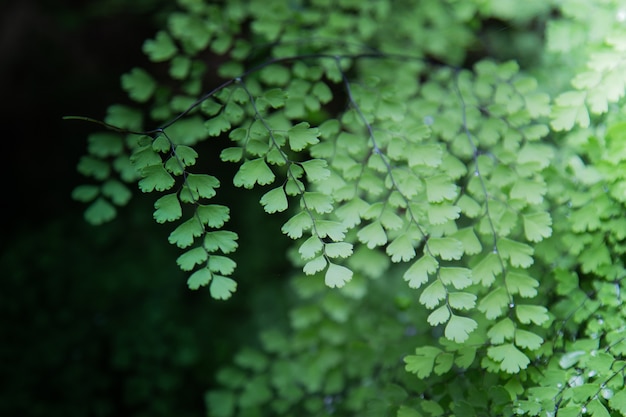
[(297, 224), (315, 265), (501, 331), (319, 202), (519, 254), (316, 169), (301, 135), (351, 212), (618, 402), (465, 357), (185, 233), (179, 67), (597, 409), (188, 260), (124, 117), (200, 278), (167, 208), (469, 206), (440, 188), (537, 226), (439, 316), (139, 84), (459, 328), (511, 359), (527, 313), (468, 238), (85, 193), (486, 270), (338, 249), (527, 340), (539, 155), (493, 304), (224, 240), (117, 192), (372, 235), (211, 107), (213, 215), (155, 177), (103, 144), (92, 167), (522, 284), (231, 154), (433, 294), (252, 172), (461, 300), (275, 97), (456, 276), (161, 48), (401, 248), (442, 213), (405, 411), (569, 110), (595, 256), (446, 248), (422, 362), (221, 403), (221, 264), (222, 287), (202, 185), (571, 358), (186, 155), (531, 191), (418, 273), (432, 408), (275, 200), (443, 363), (144, 157), (337, 275), (426, 155), (311, 247), (100, 211), (322, 92), (217, 125)]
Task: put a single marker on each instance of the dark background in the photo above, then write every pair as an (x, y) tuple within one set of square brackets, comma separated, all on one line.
[(98, 321)]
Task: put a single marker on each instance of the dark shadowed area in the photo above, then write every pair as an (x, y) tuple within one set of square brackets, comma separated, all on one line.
[(94, 321)]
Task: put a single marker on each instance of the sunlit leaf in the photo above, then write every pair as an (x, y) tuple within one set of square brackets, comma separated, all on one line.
[(419, 272), (527, 313), (446, 248), (527, 340), (439, 316), (433, 294), (461, 300), (337, 275), (459, 328)]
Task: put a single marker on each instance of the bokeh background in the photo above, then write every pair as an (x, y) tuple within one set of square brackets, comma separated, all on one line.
[(98, 321)]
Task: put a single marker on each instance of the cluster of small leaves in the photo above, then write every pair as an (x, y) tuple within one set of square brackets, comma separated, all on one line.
[(593, 38), (395, 168), (343, 356)]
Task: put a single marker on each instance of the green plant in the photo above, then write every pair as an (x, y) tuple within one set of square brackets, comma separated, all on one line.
[(457, 219)]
